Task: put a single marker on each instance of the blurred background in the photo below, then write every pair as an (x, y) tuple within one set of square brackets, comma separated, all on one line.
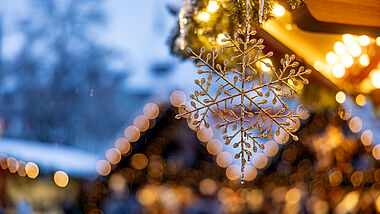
[(89, 91)]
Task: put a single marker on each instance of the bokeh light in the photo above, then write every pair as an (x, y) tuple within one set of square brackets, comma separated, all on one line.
[(3, 160), (331, 58), (293, 196), (205, 134), (122, 145), (354, 49), (339, 48), (132, 133), (376, 152), (361, 100), (335, 177), (141, 122), (266, 65), (260, 160), (178, 98), (250, 173), (364, 40), (221, 39), (117, 183), (348, 39), (282, 138), (375, 78), (139, 161), (271, 148), (207, 186), (357, 178), (214, 146), (151, 111), (213, 6), (364, 60), (355, 124), (367, 137), (12, 164), (224, 159), (147, 196), (31, 170), (103, 167), (113, 156), (340, 97), (347, 60), (21, 169), (233, 172), (338, 70), (294, 124), (61, 179), (278, 10), (203, 16), (303, 112)]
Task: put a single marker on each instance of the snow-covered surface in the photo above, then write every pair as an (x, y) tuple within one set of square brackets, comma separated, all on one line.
[(51, 157)]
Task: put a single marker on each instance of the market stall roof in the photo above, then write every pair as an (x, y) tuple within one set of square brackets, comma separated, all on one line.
[(361, 12), (51, 157)]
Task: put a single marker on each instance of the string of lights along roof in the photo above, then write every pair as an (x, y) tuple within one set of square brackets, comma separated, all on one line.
[(242, 104)]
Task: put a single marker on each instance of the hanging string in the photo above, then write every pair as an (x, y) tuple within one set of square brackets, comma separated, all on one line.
[(261, 10)]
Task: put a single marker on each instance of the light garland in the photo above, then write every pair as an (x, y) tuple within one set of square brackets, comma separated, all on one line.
[(224, 159), (122, 145)]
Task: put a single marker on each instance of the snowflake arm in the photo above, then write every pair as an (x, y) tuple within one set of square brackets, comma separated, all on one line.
[(239, 102)]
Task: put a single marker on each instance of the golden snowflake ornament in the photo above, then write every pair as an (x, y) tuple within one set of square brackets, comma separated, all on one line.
[(243, 105)]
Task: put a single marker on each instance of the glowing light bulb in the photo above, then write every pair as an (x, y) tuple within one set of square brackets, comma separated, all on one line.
[(264, 65), (348, 39), (339, 48), (364, 40), (221, 39), (212, 7), (375, 78), (278, 10), (364, 60), (378, 41), (339, 70), (354, 49), (340, 97), (203, 16), (331, 58), (347, 60)]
